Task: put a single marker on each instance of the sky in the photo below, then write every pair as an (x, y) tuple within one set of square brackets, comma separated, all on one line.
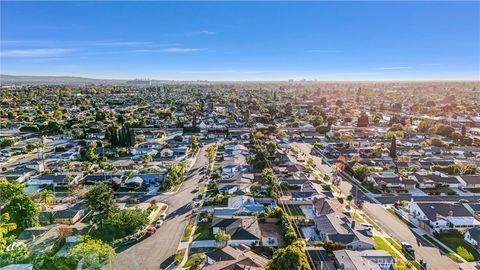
[(242, 40)]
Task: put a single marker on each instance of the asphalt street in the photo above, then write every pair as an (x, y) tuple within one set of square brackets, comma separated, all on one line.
[(152, 251)]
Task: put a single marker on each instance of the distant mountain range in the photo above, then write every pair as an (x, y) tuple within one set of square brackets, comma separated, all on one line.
[(14, 79)]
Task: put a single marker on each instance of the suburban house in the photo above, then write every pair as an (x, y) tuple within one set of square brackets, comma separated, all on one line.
[(70, 215), (319, 258), (439, 216), (366, 259), (242, 229), (240, 257), (238, 183), (166, 152), (472, 236), (433, 179), (470, 181), (390, 180), (143, 151), (58, 179), (306, 193), (239, 204), (338, 228), (109, 178), (324, 206)]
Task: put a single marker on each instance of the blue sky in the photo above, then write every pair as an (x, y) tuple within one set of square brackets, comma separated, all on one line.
[(242, 40)]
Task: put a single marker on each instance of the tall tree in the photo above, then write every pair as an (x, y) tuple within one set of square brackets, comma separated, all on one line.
[(8, 190), (291, 257), (92, 252), (5, 224), (99, 200), (46, 197), (393, 147), (23, 211)]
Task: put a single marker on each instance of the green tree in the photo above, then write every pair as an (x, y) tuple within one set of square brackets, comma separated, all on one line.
[(222, 238), (99, 200), (210, 154), (46, 197), (271, 148), (194, 143), (361, 172), (8, 190), (92, 252), (393, 148), (291, 257), (271, 182), (147, 158), (127, 221), (23, 211), (5, 224)]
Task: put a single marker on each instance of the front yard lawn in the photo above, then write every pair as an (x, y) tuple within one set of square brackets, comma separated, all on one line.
[(296, 211), (473, 190), (203, 231), (188, 230), (439, 190), (456, 242)]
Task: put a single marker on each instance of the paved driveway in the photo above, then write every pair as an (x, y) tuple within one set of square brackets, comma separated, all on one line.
[(151, 252)]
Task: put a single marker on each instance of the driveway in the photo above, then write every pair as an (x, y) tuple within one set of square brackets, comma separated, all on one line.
[(151, 252)]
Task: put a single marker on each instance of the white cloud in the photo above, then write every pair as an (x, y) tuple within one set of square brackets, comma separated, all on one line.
[(205, 32), (121, 43), (33, 53)]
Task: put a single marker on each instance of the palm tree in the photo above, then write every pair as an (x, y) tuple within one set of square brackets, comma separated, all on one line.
[(5, 225), (46, 197)]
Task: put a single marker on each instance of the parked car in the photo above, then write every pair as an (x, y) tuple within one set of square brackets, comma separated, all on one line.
[(151, 230), (408, 249), (159, 223), (163, 216), (132, 241), (366, 226)]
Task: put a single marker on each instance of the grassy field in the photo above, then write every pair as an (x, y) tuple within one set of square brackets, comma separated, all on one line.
[(296, 211), (456, 242), (203, 231)]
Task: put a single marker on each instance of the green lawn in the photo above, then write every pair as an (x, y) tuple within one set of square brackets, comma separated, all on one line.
[(401, 218), (296, 211), (203, 231), (194, 260), (438, 190), (474, 190), (201, 190), (381, 244), (188, 231), (456, 242)]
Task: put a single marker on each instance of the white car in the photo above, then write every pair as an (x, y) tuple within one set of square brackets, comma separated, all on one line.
[(163, 216), (159, 223)]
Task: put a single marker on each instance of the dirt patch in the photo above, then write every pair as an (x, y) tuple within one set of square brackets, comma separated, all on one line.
[(272, 230)]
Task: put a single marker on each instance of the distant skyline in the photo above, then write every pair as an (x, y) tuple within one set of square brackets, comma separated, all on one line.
[(242, 40)]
